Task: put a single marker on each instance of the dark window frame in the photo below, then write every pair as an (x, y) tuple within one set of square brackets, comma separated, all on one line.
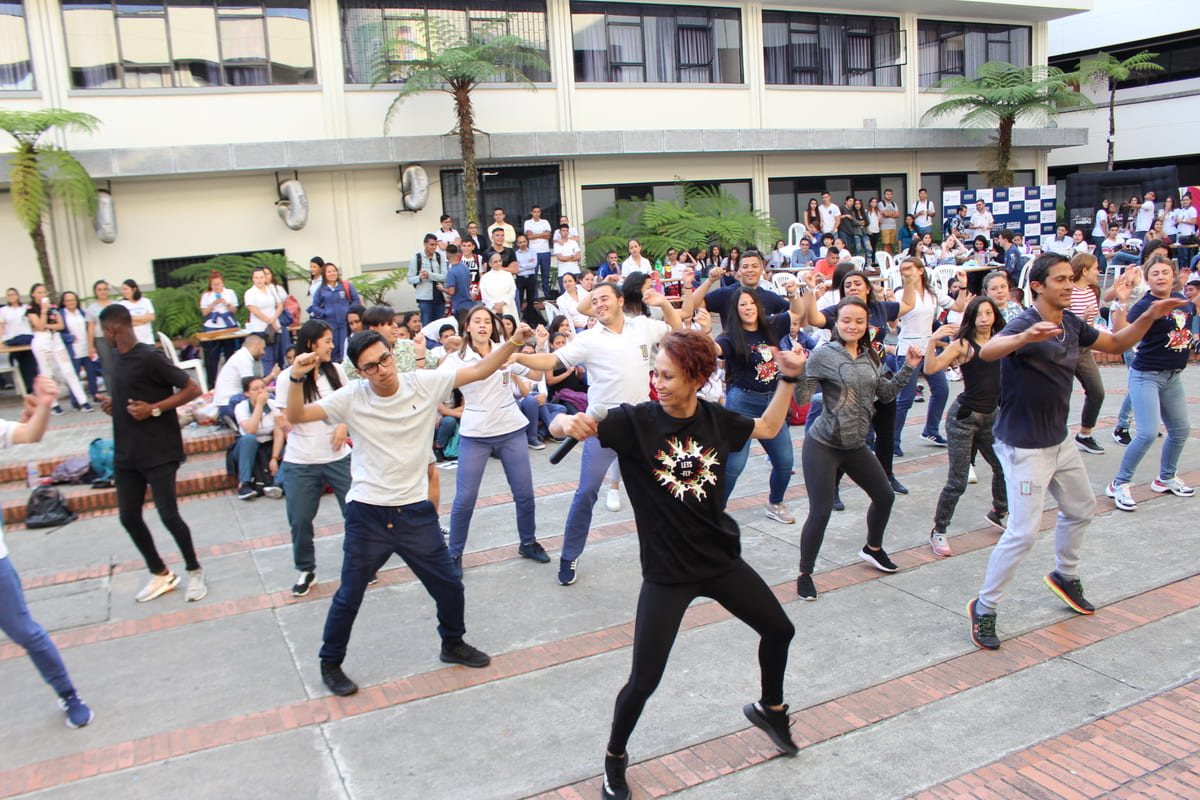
[(1171, 48), (932, 32), (12, 73), (851, 26)]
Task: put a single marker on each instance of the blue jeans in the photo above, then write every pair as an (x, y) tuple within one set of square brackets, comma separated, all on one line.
[(245, 453), (303, 486), (473, 454), (373, 533), (1155, 394), (429, 311), (1125, 415), (594, 464), (22, 628), (444, 431), (939, 391), (779, 447), (544, 271)]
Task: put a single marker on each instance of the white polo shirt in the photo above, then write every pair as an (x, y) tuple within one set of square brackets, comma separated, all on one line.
[(392, 436), (489, 405), (311, 442), (618, 364), (829, 216), (229, 379)]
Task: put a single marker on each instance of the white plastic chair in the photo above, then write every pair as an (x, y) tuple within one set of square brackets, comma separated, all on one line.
[(549, 311), (782, 280), (943, 273), (884, 260), (1023, 280), (192, 363), (859, 262)]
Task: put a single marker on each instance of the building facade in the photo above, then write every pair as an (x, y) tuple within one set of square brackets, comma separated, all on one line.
[(207, 104)]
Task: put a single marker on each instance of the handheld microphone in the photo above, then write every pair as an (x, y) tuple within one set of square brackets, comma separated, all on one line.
[(596, 412)]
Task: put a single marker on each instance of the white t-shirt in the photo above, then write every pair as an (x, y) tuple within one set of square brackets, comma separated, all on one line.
[(310, 442), (1145, 216), (569, 307), (981, 224), (1062, 246), (1185, 220), (140, 308), (489, 407), (228, 303), (570, 247), (630, 266), (392, 436), (446, 237), (922, 212), (266, 426), (265, 301), (917, 325), (229, 379), (16, 323), (1101, 227), (618, 364), (538, 226), (829, 216), (76, 324)]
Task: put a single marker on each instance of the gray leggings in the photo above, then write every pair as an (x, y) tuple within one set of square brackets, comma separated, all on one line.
[(822, 467), (968, 435), (1093, 387)]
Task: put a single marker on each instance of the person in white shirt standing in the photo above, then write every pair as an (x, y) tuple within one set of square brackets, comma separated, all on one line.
[(567, 253), (141, 310), (1185, 228), (982, 221), (1145, 216), (924, 212), (538, 231), (265, 305), (829, 213), (446, 234)]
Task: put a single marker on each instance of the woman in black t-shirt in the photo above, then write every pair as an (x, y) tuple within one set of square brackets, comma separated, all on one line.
[(673, 454), (751, 374), (971, 416)]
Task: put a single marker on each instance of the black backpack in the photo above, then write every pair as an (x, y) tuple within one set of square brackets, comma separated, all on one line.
[(47, 508)]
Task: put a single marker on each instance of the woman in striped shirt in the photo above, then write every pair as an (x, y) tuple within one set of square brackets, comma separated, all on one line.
[(1085, 305)]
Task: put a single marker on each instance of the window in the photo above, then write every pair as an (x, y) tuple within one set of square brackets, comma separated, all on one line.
[(368, 24), (831, 50), (515, 189), (139, 44), (630, 43), (1178, 55), (16, 68), (947, 49)]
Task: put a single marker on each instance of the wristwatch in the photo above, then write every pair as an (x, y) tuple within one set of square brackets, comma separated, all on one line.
[(155, 411)]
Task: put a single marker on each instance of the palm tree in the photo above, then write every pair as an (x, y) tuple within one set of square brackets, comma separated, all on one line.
[(445, 60), (44, 172), (1000, 94), (1109, 71)]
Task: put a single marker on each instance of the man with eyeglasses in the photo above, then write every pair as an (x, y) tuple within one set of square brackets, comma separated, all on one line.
[(391, 418)]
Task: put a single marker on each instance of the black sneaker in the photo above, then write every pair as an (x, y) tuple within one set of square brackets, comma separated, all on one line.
[(535, 551), (774, 723), (566, 571), (838, 505), (445, 533), (615, 786), (998, 519), (983, 628), (78, 713), (897, 486), (1088, 445), (247, 492), (878, 559), (465, 654), (934, 439), (1070, 591), (805, 588), (1121, 436), (304, 583), (336, 680)]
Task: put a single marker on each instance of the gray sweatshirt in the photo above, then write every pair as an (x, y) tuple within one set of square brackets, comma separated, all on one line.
[(850, 387)]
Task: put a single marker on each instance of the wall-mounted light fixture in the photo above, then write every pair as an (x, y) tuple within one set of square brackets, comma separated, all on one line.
[(292, 204), (105, 221), (414, 185)]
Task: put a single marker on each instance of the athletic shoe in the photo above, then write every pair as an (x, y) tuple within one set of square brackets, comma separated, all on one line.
[(1070, 591), (878, 559), (86, 408), (57, 410), (78, 713), (445, 533), (939, 545), (456, 566), (773, 723), (1088, 445), (197, 589), (997, 518), (1174, 486), (897, 486), (535, 551), (465, 654), (374, 579), (566, 571), (805, 588), (247, 492), (953, 374), (1122, 499), (613, 501), (983, 628), (304, 583), (779, 512), (273, 492), (337, 681), (1121, 436), (896, 451), (934, 439), (536, 446), (158, 586), (838, 505), (971, 476), (919, 397), (615, 786)]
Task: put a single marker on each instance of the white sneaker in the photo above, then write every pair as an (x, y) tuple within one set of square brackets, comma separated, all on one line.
[(273, 492), (197, 588), (1122, 499), (1174, 486), (971, 476), (613, 501), (779, 512), (158, 586)]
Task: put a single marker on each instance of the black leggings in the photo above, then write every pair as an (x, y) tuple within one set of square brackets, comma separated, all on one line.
[(131, 494), (660, 611), (822, 466)]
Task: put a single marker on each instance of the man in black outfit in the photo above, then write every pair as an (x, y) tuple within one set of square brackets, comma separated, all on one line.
[(506, 253), (145, 389)]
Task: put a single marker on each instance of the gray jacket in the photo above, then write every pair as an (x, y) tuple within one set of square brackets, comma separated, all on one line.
[(850, 387)]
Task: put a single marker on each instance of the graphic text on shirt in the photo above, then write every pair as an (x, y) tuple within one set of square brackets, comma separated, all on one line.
[(686, 467)]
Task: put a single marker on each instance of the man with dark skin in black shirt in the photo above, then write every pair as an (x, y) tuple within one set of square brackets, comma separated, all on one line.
[(145, 389)]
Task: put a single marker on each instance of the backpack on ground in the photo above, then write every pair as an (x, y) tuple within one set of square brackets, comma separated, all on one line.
[(47, 508), (76, 469), (100, 456)]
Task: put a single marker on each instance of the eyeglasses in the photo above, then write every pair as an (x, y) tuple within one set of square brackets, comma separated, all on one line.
[(373, 367)]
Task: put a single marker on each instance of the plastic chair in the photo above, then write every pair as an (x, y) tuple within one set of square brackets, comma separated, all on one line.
[(192, 363), (884, 261), (1023, 280), (781, 280), (859, 262), (943, 273), (549, 311)]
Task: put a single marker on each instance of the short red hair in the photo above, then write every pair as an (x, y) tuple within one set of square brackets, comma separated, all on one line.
[(692, 352)]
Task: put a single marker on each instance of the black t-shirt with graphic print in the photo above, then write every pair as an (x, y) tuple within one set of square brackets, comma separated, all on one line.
[(757, 372), (674, 471)]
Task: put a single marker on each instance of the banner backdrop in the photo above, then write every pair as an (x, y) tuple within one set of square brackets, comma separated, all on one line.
[(1031, 210)]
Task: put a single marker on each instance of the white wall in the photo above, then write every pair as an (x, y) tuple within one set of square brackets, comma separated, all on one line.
[(1113, 22)]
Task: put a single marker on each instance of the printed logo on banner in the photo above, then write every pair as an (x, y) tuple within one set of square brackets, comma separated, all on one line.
[(1050, 217), (1029, 209), (1016, 193), (1000, 209)]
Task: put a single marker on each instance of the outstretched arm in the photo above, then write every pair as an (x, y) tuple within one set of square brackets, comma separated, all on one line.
[(496, 359)]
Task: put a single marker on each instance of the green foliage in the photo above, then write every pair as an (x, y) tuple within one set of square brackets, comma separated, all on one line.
[(177, 308), (705, 216), (372, 286), (1108, 70)]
